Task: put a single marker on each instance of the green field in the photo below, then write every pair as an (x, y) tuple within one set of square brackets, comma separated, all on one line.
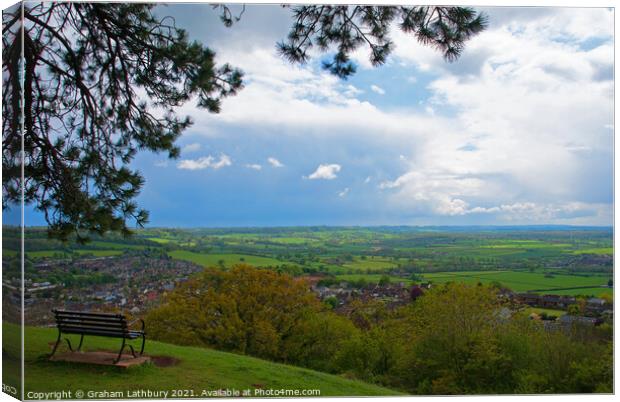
[(43, 253), (198, 369), (526, 244), (159, 240), (516, 281), (373, 278), (100, 253), (291, 240), (370, 263), (211, 260), (582, 291), (600, 250), (580, 259), (524, 281), (106, 245)]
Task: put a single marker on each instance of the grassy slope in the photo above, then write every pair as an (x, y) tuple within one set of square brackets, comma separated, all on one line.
[(199, 369)]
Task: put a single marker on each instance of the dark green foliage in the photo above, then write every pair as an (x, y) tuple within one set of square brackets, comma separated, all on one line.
[(346, 28), (384, 281), (331, 302), (102, 81)]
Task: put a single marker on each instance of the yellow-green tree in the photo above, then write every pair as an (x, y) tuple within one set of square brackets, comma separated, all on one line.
[(245, 310)]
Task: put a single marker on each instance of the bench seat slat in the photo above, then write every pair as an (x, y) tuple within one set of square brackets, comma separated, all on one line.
[(66, 328), (118, 327), (86, 320)]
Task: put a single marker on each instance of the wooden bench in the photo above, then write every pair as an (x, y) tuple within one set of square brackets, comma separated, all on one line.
[(97, 324)]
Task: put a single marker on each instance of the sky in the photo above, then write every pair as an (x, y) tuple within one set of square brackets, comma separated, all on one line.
[(519, 130)]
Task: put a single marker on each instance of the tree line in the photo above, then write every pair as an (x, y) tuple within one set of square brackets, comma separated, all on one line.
[(456, 339)]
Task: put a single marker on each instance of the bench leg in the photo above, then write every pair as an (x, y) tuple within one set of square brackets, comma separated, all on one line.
[(143, 341), (79, 349), (69, 344), (133, 352), (57, 343), (120, 353)]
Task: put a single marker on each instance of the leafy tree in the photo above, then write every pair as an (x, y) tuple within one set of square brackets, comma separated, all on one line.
[(385, 280), (574, 309), (245, 310), (101, 82), (317, 339), (367, 314), (416, 277), (331, 301), (608, 297)]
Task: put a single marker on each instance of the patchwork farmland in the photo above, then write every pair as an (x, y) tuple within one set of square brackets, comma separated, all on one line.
[(553, 260)]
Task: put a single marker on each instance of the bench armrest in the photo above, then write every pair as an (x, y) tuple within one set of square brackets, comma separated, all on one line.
[(135, 321)]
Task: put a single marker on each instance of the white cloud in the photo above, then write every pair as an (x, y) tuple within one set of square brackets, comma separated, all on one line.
[(367, 180), (344, 192), (162, 163), (523, 118), (191, 148), (325, 172), (352, 91), (206, 162), (532, 104), (377, 89), (253, 166), (274, 162)]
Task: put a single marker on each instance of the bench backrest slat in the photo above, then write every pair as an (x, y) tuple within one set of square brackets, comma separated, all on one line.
[(92, 323), (86, 314), (89, 320)]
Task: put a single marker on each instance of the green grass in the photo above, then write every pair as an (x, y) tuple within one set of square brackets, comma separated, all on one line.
[(548, 311), (10, 253), (598, 250), (199, 369), (211, 260), (597, 291), (291, 240), (100, 253), (523, 281), (159, 240), (370, 263), (42, 253), (527, 244), (111, 245)]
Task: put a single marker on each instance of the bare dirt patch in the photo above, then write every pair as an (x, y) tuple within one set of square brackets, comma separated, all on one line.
[(164, 361)]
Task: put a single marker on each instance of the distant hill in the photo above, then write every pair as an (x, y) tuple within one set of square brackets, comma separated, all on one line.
[(198, 369)]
